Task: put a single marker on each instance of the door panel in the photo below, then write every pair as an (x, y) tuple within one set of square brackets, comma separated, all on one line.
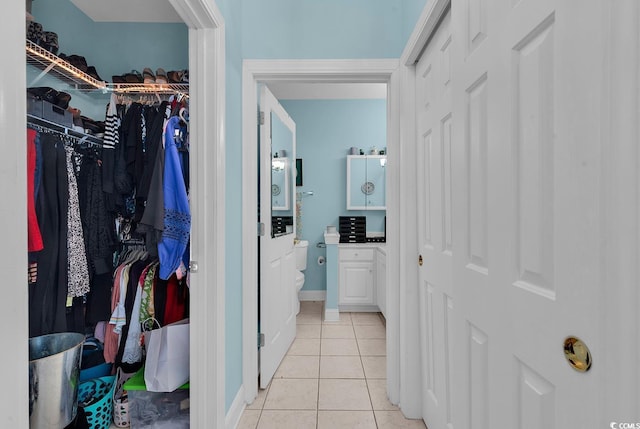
[(525, 172), (434, 122), (277, 258)]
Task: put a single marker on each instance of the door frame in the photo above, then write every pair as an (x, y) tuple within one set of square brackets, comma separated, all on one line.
[(206, 34), (619, 191), (315, 71), (207, 189)]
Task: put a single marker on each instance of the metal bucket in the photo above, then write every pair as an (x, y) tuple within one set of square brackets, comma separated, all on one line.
[(54, 369)]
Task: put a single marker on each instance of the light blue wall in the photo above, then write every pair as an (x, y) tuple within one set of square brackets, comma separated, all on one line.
[(293, 29), (325, 130), (323, 29), (112, 48), (411, 10), (232, 10)]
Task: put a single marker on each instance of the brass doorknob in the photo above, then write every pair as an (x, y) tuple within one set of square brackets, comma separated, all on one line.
[(420, 260), (577, 354)]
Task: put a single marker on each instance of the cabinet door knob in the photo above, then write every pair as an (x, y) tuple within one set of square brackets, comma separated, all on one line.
[(420, 260)]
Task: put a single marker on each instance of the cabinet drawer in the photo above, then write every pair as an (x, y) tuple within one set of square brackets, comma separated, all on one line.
[(356, 254)]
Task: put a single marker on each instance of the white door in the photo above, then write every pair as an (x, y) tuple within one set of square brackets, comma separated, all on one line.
[(277, 313), (433, 121), (526, 147)]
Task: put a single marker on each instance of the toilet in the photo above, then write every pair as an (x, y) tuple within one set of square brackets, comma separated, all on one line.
[(301, 265)]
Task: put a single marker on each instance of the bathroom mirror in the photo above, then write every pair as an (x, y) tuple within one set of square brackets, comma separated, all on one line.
[(282, 177)]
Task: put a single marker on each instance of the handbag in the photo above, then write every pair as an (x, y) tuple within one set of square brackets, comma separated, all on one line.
[(167, 360)]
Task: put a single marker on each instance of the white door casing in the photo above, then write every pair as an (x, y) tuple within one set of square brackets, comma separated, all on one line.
[(433, 106), (310, 71), (545, 203), (206, 56), (277, 257)]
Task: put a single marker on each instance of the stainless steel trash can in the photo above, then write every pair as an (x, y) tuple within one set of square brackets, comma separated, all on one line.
[(54, 371)]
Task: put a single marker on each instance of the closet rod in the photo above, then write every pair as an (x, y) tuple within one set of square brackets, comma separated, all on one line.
[(46, 125)]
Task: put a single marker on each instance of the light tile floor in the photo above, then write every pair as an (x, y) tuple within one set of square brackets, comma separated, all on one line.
[(333, 377)]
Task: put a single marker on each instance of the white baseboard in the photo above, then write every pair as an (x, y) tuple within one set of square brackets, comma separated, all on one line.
[(235, 411), (312, 295), (331, 315), (359, 308)]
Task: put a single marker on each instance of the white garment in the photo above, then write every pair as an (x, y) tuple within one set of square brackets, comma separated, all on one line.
[(132, 348), (119, 315)]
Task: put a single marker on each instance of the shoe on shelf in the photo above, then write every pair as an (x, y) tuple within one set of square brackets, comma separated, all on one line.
[(161, 76), (174, 76), (133, 77), (91, 71), (148, 76)]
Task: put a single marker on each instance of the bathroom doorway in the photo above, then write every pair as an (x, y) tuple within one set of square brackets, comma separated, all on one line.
[(302, 73)]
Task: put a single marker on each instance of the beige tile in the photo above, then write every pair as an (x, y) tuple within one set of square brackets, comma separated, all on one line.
[(346, 420), (345, 319), (337, 331), (292, 394), (339, 347), (305, 347), (395, 420), (372, 347), (279, 419), (375, 366), (341, 367), (338, 394), (298, 367), (249, 419), (308, 331), (259, 402), (311, 307), (378, 394), (370, 331), (308, 319), (366, 319)]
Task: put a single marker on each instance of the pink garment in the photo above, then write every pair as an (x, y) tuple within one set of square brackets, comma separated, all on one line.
[(112, 339)]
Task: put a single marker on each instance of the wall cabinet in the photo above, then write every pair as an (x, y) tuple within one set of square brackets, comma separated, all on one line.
[(366, 182)]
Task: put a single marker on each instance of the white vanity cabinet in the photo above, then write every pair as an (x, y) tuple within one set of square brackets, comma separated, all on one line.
[(355, 276), (358, 276), (366, 182)]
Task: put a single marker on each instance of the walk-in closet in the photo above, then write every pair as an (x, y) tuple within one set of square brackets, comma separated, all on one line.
[(109, 219)]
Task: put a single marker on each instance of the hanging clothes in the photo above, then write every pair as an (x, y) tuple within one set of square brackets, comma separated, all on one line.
[(47, 296), (78, 270), (34, 236), (177, 215)]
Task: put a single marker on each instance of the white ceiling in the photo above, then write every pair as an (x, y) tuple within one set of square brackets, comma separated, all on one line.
[(128, 10), (327, 91)]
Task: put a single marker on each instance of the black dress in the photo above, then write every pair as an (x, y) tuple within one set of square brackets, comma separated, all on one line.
[(47, 296)]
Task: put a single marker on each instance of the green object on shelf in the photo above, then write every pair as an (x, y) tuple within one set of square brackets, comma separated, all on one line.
[(137, 382)]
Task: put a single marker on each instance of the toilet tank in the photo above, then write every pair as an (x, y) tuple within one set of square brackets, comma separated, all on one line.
[(301, 255)]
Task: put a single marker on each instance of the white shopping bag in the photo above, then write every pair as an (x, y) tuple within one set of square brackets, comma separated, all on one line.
[(167, 363)]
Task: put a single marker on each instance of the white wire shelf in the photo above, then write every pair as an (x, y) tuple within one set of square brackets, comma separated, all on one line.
[(53, 65), (59, 68)]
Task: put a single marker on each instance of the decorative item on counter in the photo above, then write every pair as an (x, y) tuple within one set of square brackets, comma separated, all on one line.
[(374, 151), (353, 150), (361, 152)]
